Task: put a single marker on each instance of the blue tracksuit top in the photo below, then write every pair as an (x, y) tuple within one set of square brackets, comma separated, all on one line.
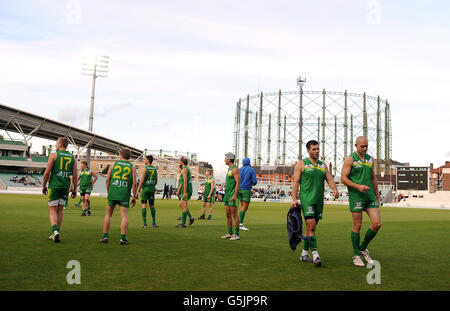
[(248, 175)]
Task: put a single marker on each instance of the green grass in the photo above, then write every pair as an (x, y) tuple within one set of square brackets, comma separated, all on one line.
[(413, 248)]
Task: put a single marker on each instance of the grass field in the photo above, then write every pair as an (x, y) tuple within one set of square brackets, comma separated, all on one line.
[(413, 248)]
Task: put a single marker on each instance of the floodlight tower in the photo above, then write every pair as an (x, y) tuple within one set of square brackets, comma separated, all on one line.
[(97, 67), (300, 83)]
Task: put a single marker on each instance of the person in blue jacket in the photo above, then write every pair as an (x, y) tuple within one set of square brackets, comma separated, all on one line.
[(248, 180)]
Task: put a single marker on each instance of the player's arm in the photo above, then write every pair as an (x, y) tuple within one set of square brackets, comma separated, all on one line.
[(237, 177), (298, 170), (375, 184), (48, 169), (108, 178), (346, 168), (95, 178), (78, 179), (141, 182), (133, 187), (156, 180), (184, 173), (72, 180), (331, 182)]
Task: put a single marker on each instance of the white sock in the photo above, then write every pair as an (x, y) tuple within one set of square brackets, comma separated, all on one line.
[(304, 252), (315, 254)]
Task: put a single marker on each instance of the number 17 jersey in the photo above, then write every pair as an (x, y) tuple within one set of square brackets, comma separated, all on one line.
[(121, 181)]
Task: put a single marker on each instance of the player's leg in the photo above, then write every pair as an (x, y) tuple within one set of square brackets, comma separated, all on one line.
[(144, 213), (83, 204), (53, 216), (152, 209), (59, 214), (202, 216), (109, 210), (355, 238), (310, 232), (242, 212), (191, 219), (375, 225), (235, 216), (183, 205), (123, 225), (229, 222), (87, 203)]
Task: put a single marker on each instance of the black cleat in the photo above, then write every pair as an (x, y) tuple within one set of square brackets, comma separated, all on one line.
[(83, 214), (201, 217), (181, 226), (89, 213), (123, 242), (144, 226), (191, 221), (155, 226), (103, 240), (57, 239), (317, 262)]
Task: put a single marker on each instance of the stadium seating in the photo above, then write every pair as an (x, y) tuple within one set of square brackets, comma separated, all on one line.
[(12, 158), (11, 142), (39, 159), (9, 177)]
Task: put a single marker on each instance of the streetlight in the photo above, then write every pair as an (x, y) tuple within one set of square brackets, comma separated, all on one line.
[(300, 83), (96, 66)]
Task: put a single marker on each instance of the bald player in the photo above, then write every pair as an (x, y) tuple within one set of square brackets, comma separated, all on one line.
[(358, 175)]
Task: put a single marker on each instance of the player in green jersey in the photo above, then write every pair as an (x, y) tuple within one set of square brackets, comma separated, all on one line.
[(184, 192), (147, 189), (120, 182), (86, 185), (310, 174), (232, 183), (358, 174), (208, 195), (60, 167)]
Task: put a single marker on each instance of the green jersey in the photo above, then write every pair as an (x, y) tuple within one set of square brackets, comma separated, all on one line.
[(208, 184), (230, 182), (312, 182), (61, 171), (121, 181), (151, 174), (189, 182), (85, 179), (361, 173)]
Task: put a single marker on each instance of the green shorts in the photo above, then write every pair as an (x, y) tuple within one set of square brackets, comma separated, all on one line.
[(148, 195), (188, 196), (57, 196), (86, 190), (244, 196), (312, 211), (227, 201), (360, 206), (210, 200), (113, 203)]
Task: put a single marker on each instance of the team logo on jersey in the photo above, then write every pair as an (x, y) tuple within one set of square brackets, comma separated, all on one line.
[(358, 204)]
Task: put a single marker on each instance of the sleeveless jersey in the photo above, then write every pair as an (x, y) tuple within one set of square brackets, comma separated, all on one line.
[(121, 181), (230, 182), (150, 177), (85, 179), (208, 184), (312, 182), (189, 182), (61, 171), (361, 173)]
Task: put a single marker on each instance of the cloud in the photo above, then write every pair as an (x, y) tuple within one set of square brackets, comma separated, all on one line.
[(104, 112), (71, 115)]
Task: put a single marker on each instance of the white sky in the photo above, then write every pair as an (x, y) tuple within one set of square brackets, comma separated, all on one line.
[(178, 68)]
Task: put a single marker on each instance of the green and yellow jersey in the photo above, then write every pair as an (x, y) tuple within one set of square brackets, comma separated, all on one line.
[(361, 173), (312, 182), (85, 179), (121, 181), (61, 171), (151, 174)]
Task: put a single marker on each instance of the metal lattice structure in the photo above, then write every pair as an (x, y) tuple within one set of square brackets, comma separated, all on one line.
[(273, 128)]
